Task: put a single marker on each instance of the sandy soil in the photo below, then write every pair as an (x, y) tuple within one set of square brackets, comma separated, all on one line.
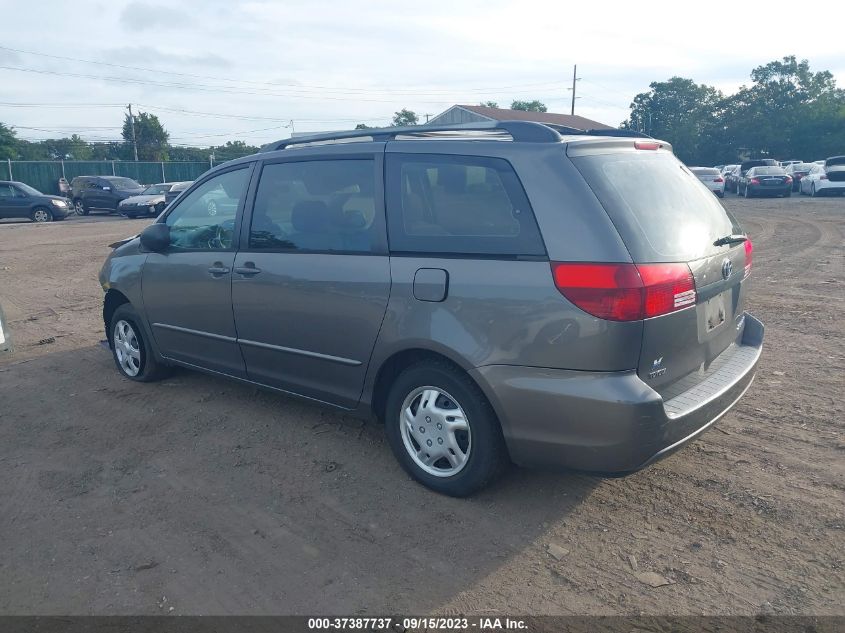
[(199, 496)]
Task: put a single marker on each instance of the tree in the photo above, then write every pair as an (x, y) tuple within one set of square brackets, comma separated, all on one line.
[(232, 150), (150, 135), (677, 110), (362, 126), (73, 148), (405, 117), (529, 106), (8, 143), (490, 104)]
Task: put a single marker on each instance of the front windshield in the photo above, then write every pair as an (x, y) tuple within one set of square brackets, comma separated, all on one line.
[(30, 191), (156, 190)]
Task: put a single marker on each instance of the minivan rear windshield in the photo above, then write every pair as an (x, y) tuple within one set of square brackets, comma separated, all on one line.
[(662, 211)]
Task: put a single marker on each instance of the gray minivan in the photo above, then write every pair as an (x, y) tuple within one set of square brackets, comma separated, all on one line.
[(494, 293)]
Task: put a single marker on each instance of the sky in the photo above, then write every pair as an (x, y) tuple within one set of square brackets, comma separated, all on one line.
[(223, 70)]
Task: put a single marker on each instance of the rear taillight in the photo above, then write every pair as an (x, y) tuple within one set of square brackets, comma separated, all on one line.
[(788, 179), (749, 250), (718, 179), (754, 181), (626, 292), (823, 177)]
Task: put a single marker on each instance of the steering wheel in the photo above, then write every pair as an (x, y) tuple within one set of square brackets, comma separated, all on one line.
[(223, 234)]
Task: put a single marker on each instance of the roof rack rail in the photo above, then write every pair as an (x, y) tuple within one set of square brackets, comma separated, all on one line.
[(522, 131)]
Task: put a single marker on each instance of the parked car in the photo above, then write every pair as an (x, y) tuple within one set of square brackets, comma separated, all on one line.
[(436, 282), (150, 202), (797, 171), (835, 168), (175, 189), (765, 181), (101, 193), (19, 200), (739, 173), (711, 177), (732, 178), (819, 182)]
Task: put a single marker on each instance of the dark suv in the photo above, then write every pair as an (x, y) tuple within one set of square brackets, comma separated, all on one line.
[(101, 193), (496, 292)]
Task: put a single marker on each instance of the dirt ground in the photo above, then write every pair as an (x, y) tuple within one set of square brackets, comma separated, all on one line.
[(200, 496)]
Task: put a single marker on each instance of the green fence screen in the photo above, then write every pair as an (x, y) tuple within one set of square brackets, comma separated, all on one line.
[(44, 175)]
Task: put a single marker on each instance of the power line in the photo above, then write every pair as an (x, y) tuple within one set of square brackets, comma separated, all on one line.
[(390, 90)]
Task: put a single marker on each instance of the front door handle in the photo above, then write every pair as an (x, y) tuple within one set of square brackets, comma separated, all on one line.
[(218, 269), (248, 269)]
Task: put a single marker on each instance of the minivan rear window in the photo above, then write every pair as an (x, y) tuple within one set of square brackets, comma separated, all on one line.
[(463, 205), (662, 211)]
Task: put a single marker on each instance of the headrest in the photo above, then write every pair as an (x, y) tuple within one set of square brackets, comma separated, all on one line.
[(453, 178)]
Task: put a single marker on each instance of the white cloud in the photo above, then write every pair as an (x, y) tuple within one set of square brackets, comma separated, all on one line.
[(327, 64)]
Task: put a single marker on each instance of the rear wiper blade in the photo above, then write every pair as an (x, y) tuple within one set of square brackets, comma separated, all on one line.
[(730, 239)]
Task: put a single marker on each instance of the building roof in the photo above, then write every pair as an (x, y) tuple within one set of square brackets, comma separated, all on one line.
[(504, 114)]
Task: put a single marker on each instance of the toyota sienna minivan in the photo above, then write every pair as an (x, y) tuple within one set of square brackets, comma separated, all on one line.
[(493, 293)]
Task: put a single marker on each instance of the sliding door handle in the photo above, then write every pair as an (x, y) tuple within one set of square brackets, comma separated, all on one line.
[(247, 270)]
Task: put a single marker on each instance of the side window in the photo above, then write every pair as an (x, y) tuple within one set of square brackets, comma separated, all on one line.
[(320, 205), (459, 205), (205, 218), (6, 191)]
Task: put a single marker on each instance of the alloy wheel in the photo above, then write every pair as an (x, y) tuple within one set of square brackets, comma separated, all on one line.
[(127, 348), (41, 215)]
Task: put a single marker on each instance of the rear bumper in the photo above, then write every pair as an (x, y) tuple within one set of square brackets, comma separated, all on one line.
[(612, 422), (760, 190)]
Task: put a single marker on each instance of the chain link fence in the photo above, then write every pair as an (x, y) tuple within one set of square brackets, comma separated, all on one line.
[(44, 175)]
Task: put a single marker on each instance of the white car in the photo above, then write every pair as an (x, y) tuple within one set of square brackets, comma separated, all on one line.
[(818, 183), (711, 177)]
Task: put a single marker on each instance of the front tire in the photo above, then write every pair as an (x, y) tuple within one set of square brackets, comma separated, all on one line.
[(41, 215), (442, 430), (133, 355)]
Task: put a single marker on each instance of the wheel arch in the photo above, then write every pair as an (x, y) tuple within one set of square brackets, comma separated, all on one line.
[(113, 300), (400, 360)]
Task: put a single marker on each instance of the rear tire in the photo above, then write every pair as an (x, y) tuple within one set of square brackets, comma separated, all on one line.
[(423, 404), (41, 215), (80, 207), (133, 355)]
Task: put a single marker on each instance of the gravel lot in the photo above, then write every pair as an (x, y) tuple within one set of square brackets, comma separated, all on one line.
[(200, 496)]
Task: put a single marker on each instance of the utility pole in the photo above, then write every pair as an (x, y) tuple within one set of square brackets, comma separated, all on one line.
[(132, 127), (574, 79)]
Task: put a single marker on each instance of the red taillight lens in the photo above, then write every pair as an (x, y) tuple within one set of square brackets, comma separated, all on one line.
[(754, 181), (626, 292), (823, 177), (749, 250), (718, 179), (788, 179)]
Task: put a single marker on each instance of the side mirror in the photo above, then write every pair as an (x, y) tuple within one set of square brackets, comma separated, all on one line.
[(156, 237), (106, 188)]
